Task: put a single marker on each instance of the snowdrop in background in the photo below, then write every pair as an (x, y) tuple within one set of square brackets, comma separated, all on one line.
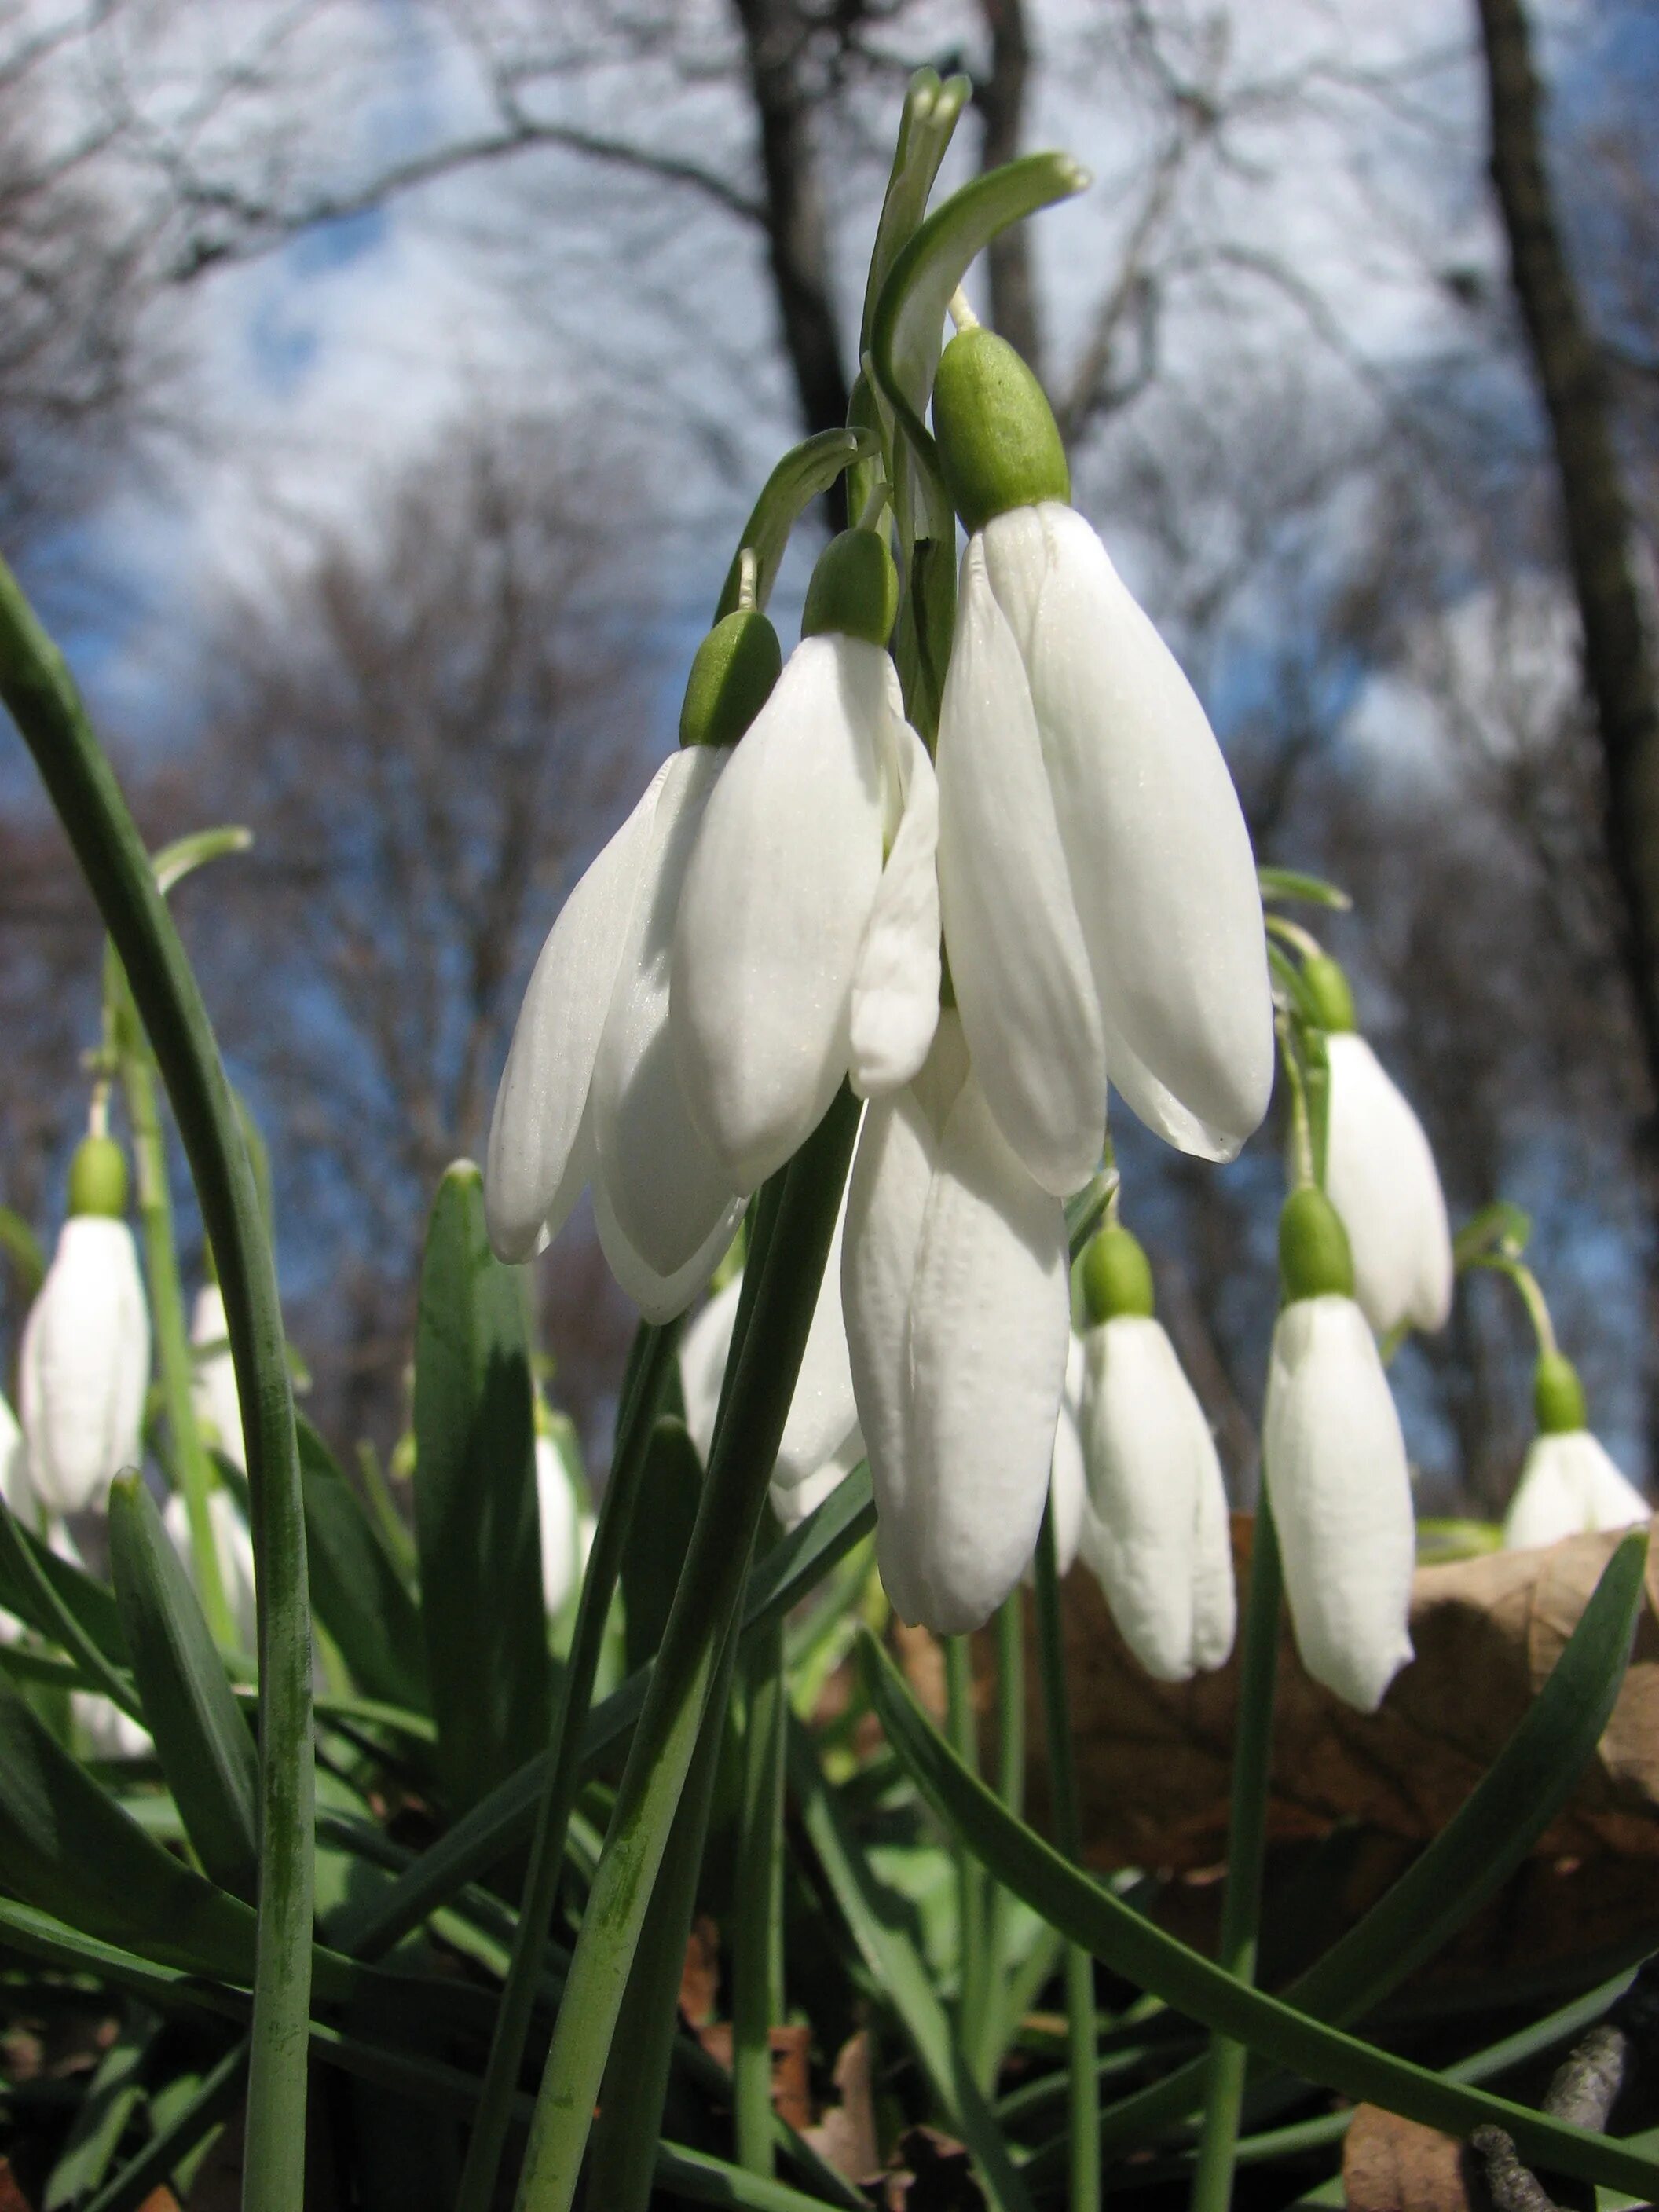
[(1569, 1483), (213, 1377)]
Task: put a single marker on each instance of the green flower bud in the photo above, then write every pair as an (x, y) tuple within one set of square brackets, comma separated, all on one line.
[(731, 680), (1314, 1259), (98, 1178), (1116, 1278), (854, 589), (998, 440), (1327, 988), (1558, 1396)]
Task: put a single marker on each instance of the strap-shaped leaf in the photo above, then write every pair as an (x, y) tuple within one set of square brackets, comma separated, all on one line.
[(475, 1520), (90, 1604), (111, 2097), (213, 2098), (1473, 1855), (359, 1595), (202, 1739), (898, 1970), (1145, 1955)]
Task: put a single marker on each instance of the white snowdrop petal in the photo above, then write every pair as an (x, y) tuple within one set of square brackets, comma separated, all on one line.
[(235, 1546), (822, 1410), (703, 1349), (14, 1488), (108, 1732), (540, 1155), (989, 1325), (1334, 1462), (213, 1380), (1068, 1487), (1380, 1175), (775, 906), (664, 1189), (1157, 854), (660, 1296), (792, 1503), (1155, 1499), (1028, 1002), (84, 1365), (557, 1510), (894, 1002), (1569, 1485)]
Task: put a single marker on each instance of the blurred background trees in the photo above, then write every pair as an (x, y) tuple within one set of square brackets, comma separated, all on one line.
[(380, 392)]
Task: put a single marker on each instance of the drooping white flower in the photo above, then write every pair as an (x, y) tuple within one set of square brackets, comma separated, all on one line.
[(1101, 915), (955, 1289), (1380, 1175), (822, 1420), (807, 945), (213, 1380), (1568, 1483), (589, 1093), (84, 1364), (559, 1504), (1334, 1463), (1156, 1534), (235, 1546)]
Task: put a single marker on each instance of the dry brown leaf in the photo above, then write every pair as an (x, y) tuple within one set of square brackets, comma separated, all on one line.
[(700, 1978), (1154, 1758), (845, 2137), (1391, 2165), (790, 2048)]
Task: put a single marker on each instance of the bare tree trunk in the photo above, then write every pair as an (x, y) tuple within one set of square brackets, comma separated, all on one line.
[(1602, 550), (797, 243), (1001, 99)]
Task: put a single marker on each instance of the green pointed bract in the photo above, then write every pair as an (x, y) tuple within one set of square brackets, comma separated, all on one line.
[(854, 590), (1558, 1396), (998, 441), (731, 680), (1328, 993), (1314, 1259), (1117, 1279), (98, 1178)]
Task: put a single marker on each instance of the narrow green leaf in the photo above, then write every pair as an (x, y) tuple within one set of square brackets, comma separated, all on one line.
[(101, 2118), (659, 1531), (876, 1928), (359, 1595), (476, 1519), (1146, 1956), (180, 859), (202, 1739), (41, 1598), (215, 2099), (804, 473), (1313, 890)]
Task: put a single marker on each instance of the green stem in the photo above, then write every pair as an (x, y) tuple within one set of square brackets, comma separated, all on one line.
[(1082, 2074), (36, 686), (1247, 1844), (647, 1382), (191, 1468), (622, 2163), (758, 1914), (745, 1447), (961, 1728), (994, 2026)]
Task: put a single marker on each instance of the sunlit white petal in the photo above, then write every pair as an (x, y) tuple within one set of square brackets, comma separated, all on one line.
[(792, 1502), (557, 1504), (234, 1548), (14, 1487), (1568, 1485), (1067, 1484), (660, 1296), (540, 1153), (213, 1378), (1029, 1004), (1336, 1472), (1380, 1175), (84, 1365), (894, 1001)]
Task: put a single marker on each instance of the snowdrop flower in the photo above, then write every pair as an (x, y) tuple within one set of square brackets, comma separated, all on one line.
[(1068, 1489), (807, 946), (213, 1383), (559, 1504), (1157, 1533), (589, 1094), (235, 1546), (1334, 1464), (955, 1288), (792, 1502), (85, 1359), (823, 1424), (1101, 916), (1568, 1483), (1380, 1174)]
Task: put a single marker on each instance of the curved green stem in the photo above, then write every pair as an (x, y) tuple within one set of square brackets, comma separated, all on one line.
[(745, 1446), (993, 2026), (36, 686), (972, 1978), (1082, 2074), (1247, 1844), (639, 1411), (757, 1917)]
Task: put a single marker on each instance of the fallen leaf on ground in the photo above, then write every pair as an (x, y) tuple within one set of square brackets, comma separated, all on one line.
[(1391, 2165)]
